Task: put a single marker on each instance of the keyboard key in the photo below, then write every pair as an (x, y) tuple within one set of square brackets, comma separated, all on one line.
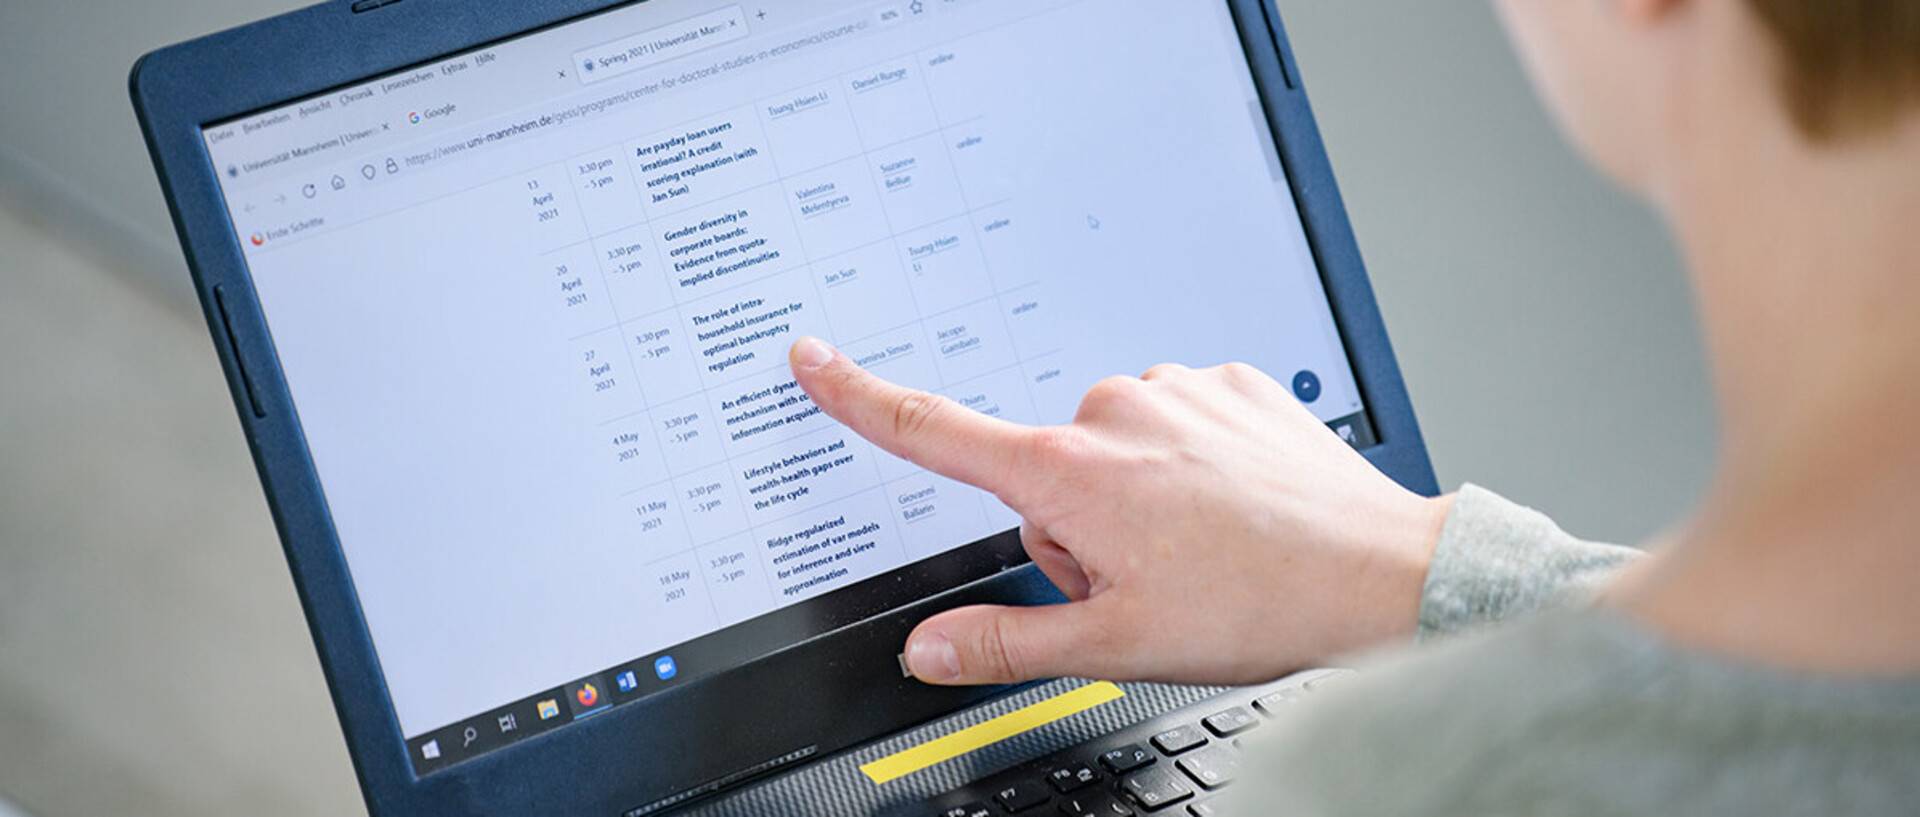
[(1271, 703), (1094, 804), (1231, 722), (1069, 778), (1127, 758), (969, 810), (1202, 810), (1179, 739), (1212, 767), (1022, 796), (1155, 789)]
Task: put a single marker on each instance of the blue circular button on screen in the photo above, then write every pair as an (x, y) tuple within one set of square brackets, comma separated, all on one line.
[(665, 668), (1306, 386)]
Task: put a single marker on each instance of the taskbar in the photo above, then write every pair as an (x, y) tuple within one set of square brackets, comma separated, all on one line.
[(728, 649)]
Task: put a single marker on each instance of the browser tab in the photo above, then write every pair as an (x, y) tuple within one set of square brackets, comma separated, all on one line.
[(661, 44)]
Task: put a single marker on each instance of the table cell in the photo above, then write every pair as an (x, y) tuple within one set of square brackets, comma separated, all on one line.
[(809, 127), (970, 341), (890, 102), (662, 356), (727, 243), (831, 547), (736, 579), (630, 265), (712, 504), (604, 378), (865, 292), (916, 182), (576, 297), (1032, 320), (804, 473), (944, 266), (936, 514), (836, 208), (688, 438), (764, 410), (746, 330), (604, 188), (701, 162)]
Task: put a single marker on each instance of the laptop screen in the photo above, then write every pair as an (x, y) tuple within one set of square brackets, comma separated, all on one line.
[(532, 303)]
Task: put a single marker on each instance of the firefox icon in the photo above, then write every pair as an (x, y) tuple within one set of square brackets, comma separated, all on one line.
[(259, 239)]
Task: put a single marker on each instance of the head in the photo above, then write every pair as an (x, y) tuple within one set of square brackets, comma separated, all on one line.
[(1781, 141), (1640, 83)]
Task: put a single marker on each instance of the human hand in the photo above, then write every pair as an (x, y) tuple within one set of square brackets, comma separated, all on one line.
[(1206, 527)]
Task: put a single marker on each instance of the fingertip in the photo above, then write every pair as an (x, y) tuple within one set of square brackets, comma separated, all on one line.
[(932, 658), (810, 353)]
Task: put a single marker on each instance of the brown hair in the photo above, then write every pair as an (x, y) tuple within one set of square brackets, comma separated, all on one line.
[(1850, 66)]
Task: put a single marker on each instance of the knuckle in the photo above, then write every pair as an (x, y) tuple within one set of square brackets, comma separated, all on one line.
[(1110, 391), (1038, 464), (843, 381), (1243, 376), (997, 654), (913, 411), (1049, 448), (1163, 370), (1239, 371)]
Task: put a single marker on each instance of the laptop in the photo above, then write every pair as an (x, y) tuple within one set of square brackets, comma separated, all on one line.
[(503, 292)]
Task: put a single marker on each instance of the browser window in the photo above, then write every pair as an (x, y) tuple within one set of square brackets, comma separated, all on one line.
[(533, 304)]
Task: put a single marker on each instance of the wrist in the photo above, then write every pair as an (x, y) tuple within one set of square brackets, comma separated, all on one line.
[(1399, 567)]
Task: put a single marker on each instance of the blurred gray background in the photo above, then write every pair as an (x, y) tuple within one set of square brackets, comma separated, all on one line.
[(153, 659)]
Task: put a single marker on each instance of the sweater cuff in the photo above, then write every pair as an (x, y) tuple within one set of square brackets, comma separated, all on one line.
[(1497, 560)]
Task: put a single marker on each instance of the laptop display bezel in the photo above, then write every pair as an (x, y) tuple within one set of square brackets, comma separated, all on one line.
[(694, 734)]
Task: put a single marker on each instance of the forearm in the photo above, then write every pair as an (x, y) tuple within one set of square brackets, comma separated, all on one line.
[(1497, 560)]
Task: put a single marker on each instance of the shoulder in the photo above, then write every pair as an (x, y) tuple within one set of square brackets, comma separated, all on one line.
[(1411, 730), (1575, 713)]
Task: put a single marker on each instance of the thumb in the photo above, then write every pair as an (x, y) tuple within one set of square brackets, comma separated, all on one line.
[(990, 644)]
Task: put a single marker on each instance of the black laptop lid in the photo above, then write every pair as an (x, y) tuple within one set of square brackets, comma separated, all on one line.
[(508, 328)]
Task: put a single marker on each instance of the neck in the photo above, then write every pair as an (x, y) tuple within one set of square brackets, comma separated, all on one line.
[(1808, 268)]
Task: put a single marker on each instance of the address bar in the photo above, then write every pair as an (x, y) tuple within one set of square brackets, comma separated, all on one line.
[(661, 44), (528, 121)]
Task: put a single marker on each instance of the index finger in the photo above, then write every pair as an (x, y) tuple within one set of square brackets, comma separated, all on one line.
[(927, 429)]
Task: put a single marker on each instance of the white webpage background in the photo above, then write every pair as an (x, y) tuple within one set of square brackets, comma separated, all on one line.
[(524, 441)]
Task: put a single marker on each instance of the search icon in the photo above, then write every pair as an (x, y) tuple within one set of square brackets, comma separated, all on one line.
[(472, 735)]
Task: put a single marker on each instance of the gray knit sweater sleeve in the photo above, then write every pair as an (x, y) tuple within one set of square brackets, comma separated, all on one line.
[(1497, 560)]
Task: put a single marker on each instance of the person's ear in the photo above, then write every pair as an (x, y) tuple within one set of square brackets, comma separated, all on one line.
[(1649, 12)]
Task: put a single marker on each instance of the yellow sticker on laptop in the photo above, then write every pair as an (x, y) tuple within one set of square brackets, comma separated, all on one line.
[(1019, 721)]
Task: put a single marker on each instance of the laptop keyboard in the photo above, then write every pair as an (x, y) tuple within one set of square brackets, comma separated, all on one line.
[(1174, 764)]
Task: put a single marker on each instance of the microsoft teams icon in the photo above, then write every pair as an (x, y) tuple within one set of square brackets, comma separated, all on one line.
[(627, 682), (664, 667)]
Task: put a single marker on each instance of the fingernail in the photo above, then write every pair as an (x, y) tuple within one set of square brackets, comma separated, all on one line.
[(812, 353), (931, 657)]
